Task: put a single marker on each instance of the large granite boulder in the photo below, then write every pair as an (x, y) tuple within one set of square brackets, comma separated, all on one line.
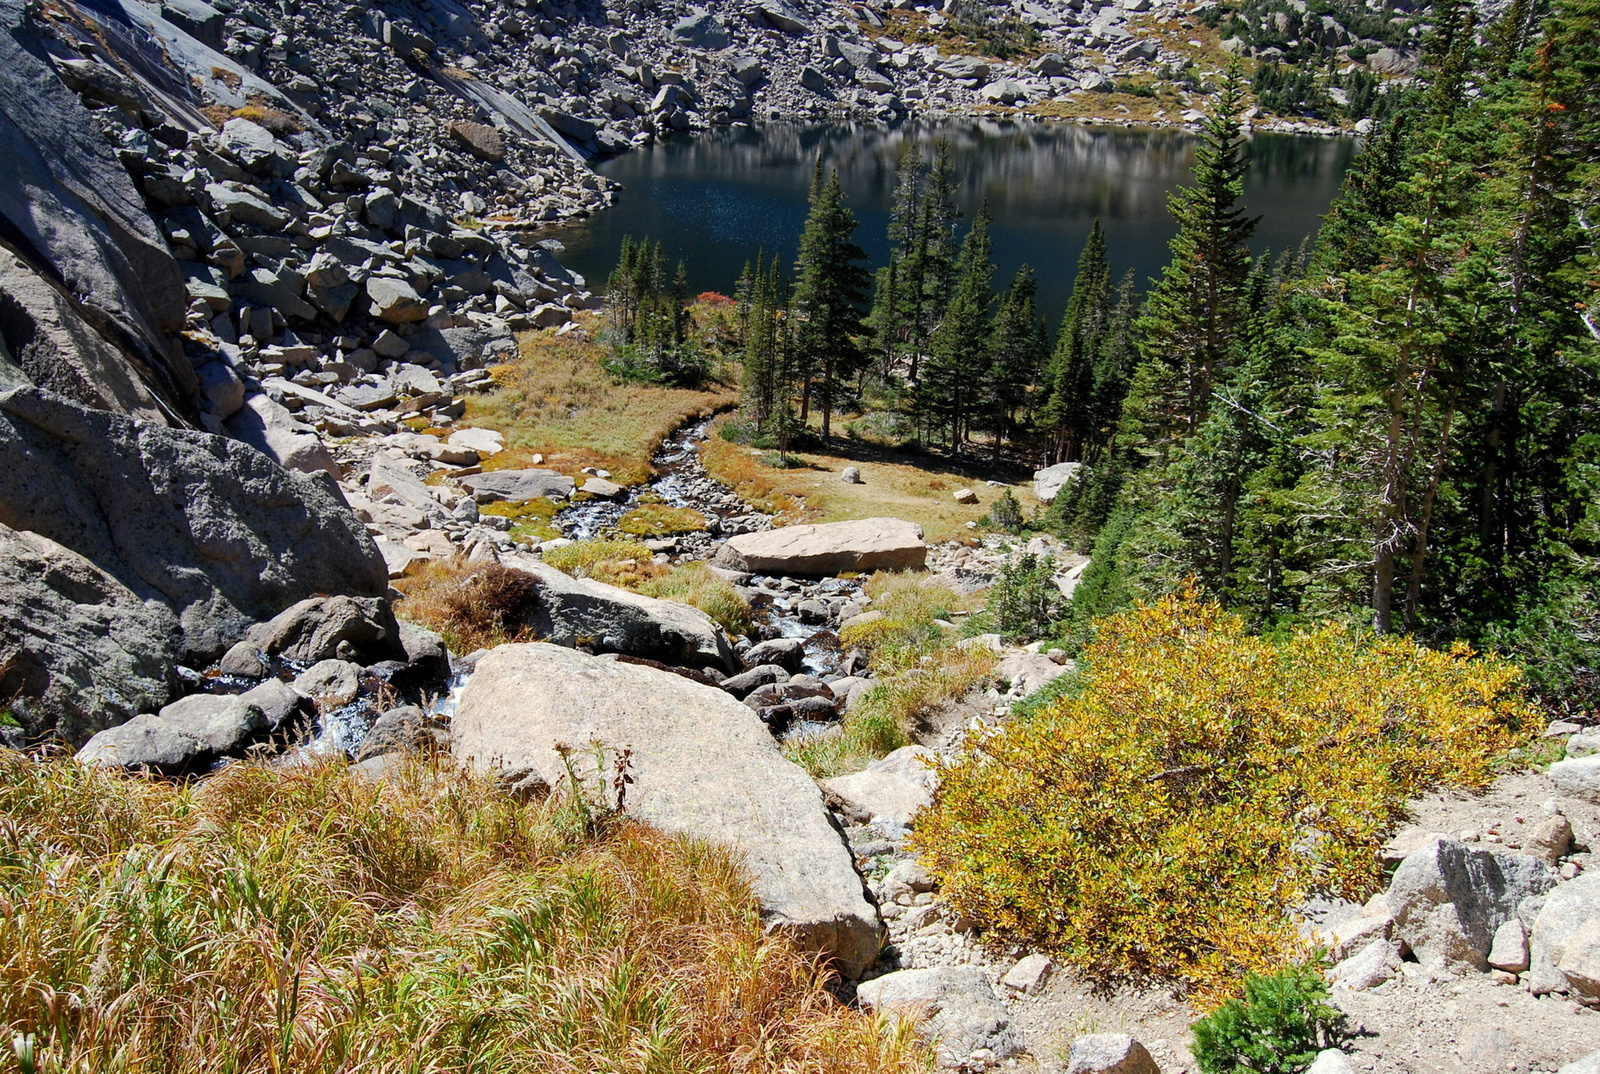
[(1048, 483), (76, 644), (702, 764), (70, 213), (572, 611), (1565, 948), (517, 485), (207, 527), (955, 1005), (1448, 899), (867, 544)]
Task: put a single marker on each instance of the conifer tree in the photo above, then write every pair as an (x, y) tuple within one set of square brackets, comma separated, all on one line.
[(1016, 354), (959, 347), (1192, 317), (1066, 415), (830, 289)]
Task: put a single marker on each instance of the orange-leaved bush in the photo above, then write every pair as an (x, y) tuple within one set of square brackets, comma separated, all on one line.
[(1161, 821)]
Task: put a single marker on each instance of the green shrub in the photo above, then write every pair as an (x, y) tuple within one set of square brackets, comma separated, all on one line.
[(1278, 1028), (1006, 514), (1160, 821), (1025, 601)]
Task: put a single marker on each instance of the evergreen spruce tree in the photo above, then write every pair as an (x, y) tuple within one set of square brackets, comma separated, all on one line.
[(1066, 415), (1192, 317), (830, 289), (1016, 354), (959, 347)]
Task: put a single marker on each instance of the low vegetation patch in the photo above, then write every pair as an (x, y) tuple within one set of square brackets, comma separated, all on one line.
[(558, 401), (921, 668), (264, 921), (470, 607), (916, 487), (1279, 1027), (1158, 820), (532, 521), (625, 563), (661, 520), (693, 583), (630, 565)]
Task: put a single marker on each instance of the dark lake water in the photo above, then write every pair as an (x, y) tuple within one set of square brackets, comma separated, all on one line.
[(714, 199)]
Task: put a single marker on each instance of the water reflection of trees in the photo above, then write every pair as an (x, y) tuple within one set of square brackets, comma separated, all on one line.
[(1026, 170), (717, 197)]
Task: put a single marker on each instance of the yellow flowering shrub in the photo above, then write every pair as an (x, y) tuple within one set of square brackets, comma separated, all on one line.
[(1160, 822)]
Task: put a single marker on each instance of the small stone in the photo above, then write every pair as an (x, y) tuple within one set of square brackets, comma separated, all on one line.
[(850, 475), (244, 660), (1030, 974), (966, 496), (1330, 1061), (1110, 1053), (332, 682), (1509, 951), (1550, 841)]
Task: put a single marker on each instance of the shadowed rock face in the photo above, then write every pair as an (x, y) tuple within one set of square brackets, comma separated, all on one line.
[(69, 212), (703, 766), (206, 530)]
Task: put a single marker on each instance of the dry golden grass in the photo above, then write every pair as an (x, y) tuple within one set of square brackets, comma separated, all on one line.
[(264, 921), (918, 488), (555, 400), (469, 607)]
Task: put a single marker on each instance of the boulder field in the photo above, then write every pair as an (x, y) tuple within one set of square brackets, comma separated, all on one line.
[(703, 765)]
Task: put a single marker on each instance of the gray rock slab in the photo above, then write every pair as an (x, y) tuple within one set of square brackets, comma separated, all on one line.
[(517, 485), (57, 349), (568, 610), (182, 736), (1578, 777), (703, 766), (272, 429), (1565, 948), (69, 199), (210, 527), (955, 1005), (80, 649), (866, 544), (1109, 1053), (892, 788)]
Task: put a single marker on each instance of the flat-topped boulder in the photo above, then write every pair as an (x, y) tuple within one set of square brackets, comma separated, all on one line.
[(866, 544), (572, 611), (703, 766), (517, 485)]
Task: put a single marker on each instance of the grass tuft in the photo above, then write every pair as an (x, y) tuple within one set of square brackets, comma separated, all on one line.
[(262, 921), (693, 583), (470, 607), (556, 400)]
